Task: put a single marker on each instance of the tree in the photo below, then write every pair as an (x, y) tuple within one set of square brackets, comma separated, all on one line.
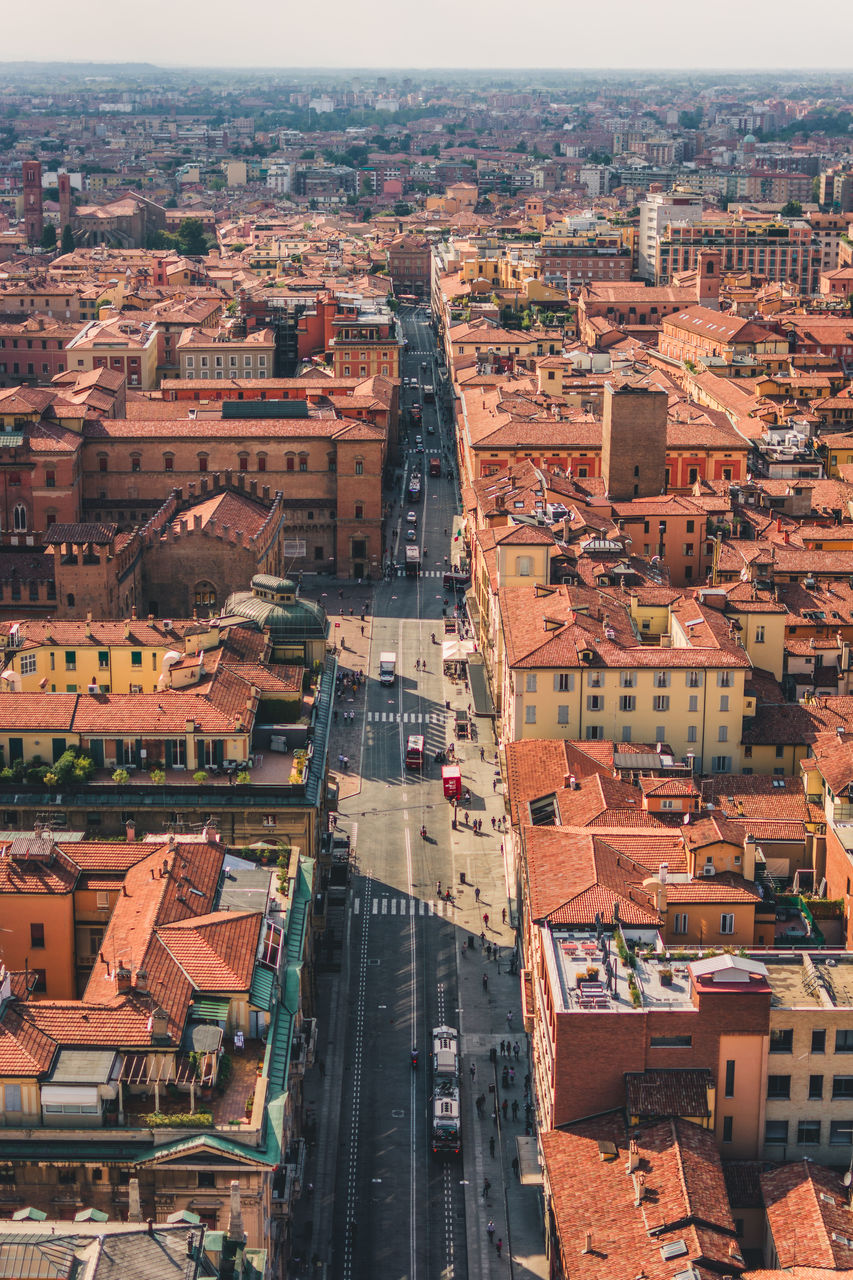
[(67, 239), (401, 209), (48, 236), (191, 237), (792, 209)]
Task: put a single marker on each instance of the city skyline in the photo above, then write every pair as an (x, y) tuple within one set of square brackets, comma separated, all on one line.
[(483, 37)]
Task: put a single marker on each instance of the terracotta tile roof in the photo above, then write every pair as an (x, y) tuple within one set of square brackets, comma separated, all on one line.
[(668, 1093), (724, 887), (34, 869), (214, 705), (684, 1200), (743, 1183), (710, 829), (123, 1022), (106, 855), (572, 877), (833, 757), (51, 712), (235, 510), (217, 952), (25, 1050), (537, 767), (808, 1215)]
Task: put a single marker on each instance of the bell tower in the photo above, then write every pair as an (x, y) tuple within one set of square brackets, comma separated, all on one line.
[(33, 214)]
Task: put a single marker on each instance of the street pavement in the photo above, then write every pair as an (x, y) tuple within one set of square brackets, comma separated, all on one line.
[(379, 1201)]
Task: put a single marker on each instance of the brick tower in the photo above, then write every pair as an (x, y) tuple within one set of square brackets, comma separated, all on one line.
[(33, 214), (64, 181), (633, 441)]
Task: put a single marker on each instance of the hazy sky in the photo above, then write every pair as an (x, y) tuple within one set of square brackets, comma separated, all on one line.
[(455, 33)]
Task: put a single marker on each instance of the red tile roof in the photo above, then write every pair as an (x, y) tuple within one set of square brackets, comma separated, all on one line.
[(217, 952), (808, 1215), (684, 1199), (572, 877), (25, 1050)]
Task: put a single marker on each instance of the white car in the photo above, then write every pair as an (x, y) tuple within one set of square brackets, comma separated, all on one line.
[(411, 517)]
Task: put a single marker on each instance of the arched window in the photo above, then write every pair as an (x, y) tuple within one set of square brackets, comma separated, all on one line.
[(19, 517), (303, 462), (168, 462), (290, 462), (202, 462), (204, 595), (70, 599), (262, 462)]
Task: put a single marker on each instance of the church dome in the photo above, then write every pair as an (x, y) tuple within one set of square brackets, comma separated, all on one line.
[(273, 602)]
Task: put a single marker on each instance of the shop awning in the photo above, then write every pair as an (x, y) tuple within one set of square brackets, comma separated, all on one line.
[(456, 650), (480, 695)]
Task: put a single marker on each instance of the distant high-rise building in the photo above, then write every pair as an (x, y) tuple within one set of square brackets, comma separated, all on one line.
[(33, 213)]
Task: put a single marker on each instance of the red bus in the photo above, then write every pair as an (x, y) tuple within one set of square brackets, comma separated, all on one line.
[(415, 751)]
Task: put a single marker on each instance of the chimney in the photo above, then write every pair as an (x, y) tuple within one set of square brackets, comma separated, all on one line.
[(134, 1204), (236, 1231), (123, 978), (130, 829), (663, 872), (587, 1242), (141, 980), (159, 1025)]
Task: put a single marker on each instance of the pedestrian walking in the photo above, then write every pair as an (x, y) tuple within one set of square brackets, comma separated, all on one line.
[(526, 1078), (515, 1165), (492, 1146), (515, 1108), (362, 630), (503, 916), (505, 1107), (486, 1186), (509, 1018), (511, 1077), (494, 784), (517, 1051), (346, 763), (499, 1246), (340, 759), (490, 1230), (485, 919), (473, 1071), (489, 950), (482, 753), (466, 817), (485, 983), (476, 891), (505, 1077), (493, 822), (503, 1047)]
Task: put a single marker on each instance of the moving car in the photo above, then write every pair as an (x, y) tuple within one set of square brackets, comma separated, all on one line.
[(411, 534), (411, 517)]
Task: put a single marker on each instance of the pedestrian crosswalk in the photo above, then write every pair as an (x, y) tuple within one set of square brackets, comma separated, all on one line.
[(406, 717), (424, 573), (387, 906)]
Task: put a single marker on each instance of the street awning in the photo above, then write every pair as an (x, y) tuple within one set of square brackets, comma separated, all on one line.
[(480, 695), (529, 1172), (456, 650)]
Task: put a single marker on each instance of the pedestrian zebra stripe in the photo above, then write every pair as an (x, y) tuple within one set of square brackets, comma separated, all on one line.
[(406, 717), (406, 907)]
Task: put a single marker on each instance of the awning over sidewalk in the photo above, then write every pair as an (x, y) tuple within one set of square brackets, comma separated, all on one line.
[(480, 695), (456, 650), (529, 1172)]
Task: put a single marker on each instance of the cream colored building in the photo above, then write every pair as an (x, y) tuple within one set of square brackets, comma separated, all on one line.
[(572, 664), (204, 354)]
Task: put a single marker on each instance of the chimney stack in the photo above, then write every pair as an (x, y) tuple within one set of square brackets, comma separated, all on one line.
[(134, 1204), (130, 829), (123, 978), (587, 1242)]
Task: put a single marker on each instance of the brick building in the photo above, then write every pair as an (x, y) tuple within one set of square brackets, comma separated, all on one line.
[(34, 351), (410, 265)]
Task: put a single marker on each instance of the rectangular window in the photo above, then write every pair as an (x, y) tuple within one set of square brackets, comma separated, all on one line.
[(759, 635), (564, 682), (627, 679), (562, 714), (670, 1042), (691, 733), (723, 733), (136, 658), (781, 1040), (679, 922), (529, 714), (808, 1133), (660, 702), (727, 922), (721, 764), (724, 702), (28, 664), (70, 660), (819, 1041), (730, 1078), (841, 1133), (815, 1088), (627, 702), (778, 1086), (842, 1086), (844, 1040), (727, 1128), (103, 659), (530, 682), (12, 1097), (594, 702), (776, 1132), (594, 732), (725, 680), (37, 935)]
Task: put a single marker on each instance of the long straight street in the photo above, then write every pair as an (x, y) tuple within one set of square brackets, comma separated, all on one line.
[(383, 1203)]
